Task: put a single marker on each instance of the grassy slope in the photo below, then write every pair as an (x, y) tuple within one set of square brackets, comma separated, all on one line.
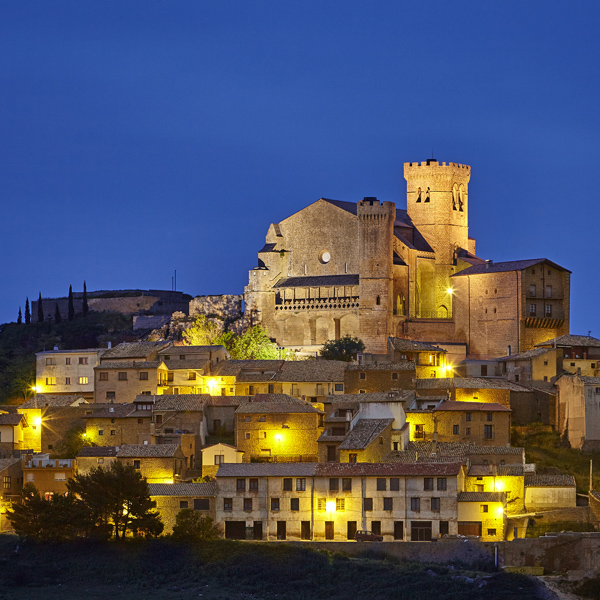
[(544, 447), (225, 570)]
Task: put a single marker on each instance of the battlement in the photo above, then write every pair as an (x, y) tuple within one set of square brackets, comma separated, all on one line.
[(370, 205), (434, 163)]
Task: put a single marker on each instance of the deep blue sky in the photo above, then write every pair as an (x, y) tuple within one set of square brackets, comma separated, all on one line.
[(141, 137)]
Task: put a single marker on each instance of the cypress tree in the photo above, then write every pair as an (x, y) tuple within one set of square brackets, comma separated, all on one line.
[(57, 317), (40, 310), (27, 312), (71, 306), (20, 317), (85, 303)]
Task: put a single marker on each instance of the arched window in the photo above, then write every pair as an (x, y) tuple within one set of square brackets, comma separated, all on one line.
[(460, 199), (427, 195), (419, 195), (454, 195)]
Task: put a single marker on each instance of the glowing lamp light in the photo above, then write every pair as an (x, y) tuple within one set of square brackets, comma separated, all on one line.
[(278, 437), (450, 291), (330, 505), (499, 486), (34, 388), (500, 511), (37, 421)]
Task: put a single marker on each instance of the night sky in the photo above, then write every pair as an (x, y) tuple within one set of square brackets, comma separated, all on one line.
[(141, 137)]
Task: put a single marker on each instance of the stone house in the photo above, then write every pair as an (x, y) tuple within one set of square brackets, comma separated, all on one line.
[(476, 422), (372, 270), (128, 370), (94, 457), (12, 426), (550, 491), (379, 377), (576, 352), (157, 463), (170, 498), (11, 477), (218, 454), (67, 371), (49, 476), (482, 514), (119, 424), (430, 360), (578, 407), (538, 364), (506, 478), (277, 427), (327, 501), (48, 418), (220, 413)]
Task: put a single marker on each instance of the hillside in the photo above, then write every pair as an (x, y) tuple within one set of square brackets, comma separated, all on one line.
[(223, 570), (545, 448), (20, 342)]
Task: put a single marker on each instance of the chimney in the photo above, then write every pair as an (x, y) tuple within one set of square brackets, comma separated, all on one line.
[(488, 263)]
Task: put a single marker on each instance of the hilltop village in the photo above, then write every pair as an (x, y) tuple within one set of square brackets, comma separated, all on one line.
[(410, 441)]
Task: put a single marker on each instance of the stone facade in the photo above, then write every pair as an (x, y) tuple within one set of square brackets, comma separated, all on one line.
[(371, 270)]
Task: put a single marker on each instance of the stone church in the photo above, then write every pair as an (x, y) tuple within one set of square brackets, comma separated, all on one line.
[(372, 270)]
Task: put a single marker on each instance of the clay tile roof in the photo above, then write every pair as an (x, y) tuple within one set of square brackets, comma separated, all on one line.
[(134, 350), (189, 364), (10, 419), (590, 380), (402, 345), (572, 340), (330, 438), (363, 434), (51, 400), (510, 470), (228, 400), (425, 451), (92, 451), (221, 444), (387, 469), (344, 399), (404, 365), (7, 462), (550, 480), (276, 403), (312, 370), (481, 497), (317, 281), (266, 470), (113, 411), (468, 383), (451, 405), (175, 402), (179, 350), (525, 355), (183, 489), (128, 364), (514, 265), (147, 450), (233, 368), (595, 495)]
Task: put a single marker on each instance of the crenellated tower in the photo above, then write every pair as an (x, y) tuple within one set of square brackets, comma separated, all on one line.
[(438, 205), (375, 235)]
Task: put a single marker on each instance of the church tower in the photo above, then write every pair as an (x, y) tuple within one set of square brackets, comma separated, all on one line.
[(437, 204), (375, 238)]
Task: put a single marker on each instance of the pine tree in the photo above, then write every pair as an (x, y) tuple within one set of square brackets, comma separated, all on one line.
[(27, 312), (40, 310), (71, 305), (85, 302), (57, 317), (20, 317)]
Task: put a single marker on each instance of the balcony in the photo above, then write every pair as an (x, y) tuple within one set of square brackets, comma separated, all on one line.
[(341, 303)]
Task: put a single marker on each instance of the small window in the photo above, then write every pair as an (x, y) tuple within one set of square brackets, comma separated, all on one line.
[(444, 528), (455, 429), (468, 416), (68, 360), (262, 418), (339, 387), (415, 504), (274, 504), (219, 459), (488, 432), (81, 380), (183, 504), (381, 484), (103, 376), (548, 310), (548, 291), (100, 431), (247, 436), (352, 457), (489, 416), (483, 508), (68, 380), (143, 376), (247, 504), (122, 376), (137, 464), (532, 310), (334, 484), (545, 363), (113, 432), (254, 485), (388, 504), (83, 360), (201, 504), (241, 485), (394, 484), (321, 504), (491, 532), (435, 505), (50, 361), (50, 380), (467, 431), (419, 432), (287, 484), (428, 484), (228, 504), (442, 484), (347, 484), (362, 376), (300, 484), (368, 504), (394, 376), (295, 504), (340, 504)]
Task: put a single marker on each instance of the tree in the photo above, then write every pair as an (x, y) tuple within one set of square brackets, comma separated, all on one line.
[(254, 344), (72, 442), (27, 312), (20, 317), (191, 526), (71, 305), (85, 302), (346, 348), (202, 332), (57, 518), (118, 501), (40, 310), (57, 317)]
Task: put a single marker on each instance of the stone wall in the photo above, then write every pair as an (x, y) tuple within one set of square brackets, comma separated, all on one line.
[(227, 306)]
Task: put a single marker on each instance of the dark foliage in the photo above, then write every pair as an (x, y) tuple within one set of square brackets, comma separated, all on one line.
[(192, 526), (71, 305), (346, 349), (20, 317), (27, 312), (40, 309), (57, 317), (85, 300)]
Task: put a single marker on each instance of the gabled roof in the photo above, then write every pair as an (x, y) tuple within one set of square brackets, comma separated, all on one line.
[(312, 371), (343, 400), (8, 462), (128, 364), (176, 402), (276, 403), (10, 419), (567, 341), (147, 451), (513, 265), (183, 489), (266, 470), (317, 280), (97, 451), (232, 368), (221, 444), (134, 350), (364, 433), (402, 365), (428, 451), (188, 350), (525, 355), (550, 480), (402, 345), (54, 400), (191, 363), (452, 405), (468, 383)]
